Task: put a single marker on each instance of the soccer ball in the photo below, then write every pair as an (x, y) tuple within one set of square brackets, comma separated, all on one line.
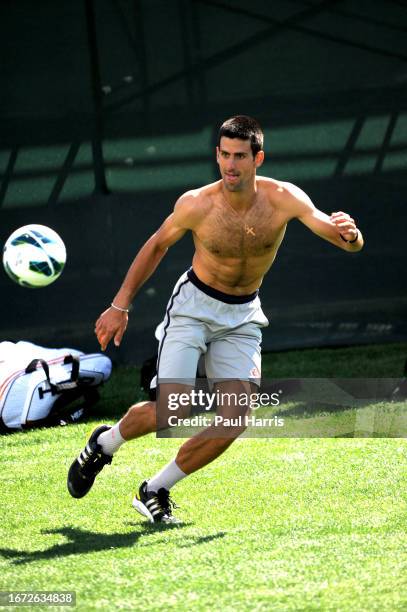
[(34, 256)]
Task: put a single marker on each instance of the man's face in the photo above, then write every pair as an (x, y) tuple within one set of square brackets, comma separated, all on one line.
[(236, 162)]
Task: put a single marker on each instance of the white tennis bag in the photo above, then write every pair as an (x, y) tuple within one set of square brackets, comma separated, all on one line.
[(41, 386)]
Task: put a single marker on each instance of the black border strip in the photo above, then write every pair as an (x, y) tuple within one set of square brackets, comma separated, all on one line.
[(219, 295), (167, 323)]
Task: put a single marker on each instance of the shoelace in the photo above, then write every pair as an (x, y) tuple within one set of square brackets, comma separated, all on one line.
[(166, 502), (94, 461)]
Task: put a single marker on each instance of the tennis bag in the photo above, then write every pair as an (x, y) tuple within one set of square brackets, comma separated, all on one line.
[(41, 387)]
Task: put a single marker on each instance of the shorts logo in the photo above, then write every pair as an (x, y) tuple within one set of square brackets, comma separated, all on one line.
[(254, 373)]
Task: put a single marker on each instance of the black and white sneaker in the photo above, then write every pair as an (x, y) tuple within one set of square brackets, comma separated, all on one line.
[(156, 506), (87, 465)]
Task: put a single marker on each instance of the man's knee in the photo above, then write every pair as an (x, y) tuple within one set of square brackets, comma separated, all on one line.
[(233, 409), (139, 420), (173, 399), (229, 428)]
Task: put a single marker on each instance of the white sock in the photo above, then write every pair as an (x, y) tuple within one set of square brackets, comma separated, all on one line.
[(111, 440), (166, 478)]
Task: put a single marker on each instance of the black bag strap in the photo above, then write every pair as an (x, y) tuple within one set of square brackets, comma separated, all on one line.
[(75, 366), (71, 383), (32, 366)]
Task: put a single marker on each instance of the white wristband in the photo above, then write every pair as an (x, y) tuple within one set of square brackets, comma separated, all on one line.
[(119, 308)]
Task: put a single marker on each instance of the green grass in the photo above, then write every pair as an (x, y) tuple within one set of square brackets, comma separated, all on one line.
[(372, 361), (273, 524)]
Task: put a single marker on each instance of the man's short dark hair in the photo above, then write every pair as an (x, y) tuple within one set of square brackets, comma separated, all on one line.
[(244, 128)]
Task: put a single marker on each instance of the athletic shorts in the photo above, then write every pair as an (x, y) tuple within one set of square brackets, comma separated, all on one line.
[(201, 321)]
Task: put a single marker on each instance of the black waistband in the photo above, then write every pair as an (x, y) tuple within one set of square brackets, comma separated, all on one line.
[(219, 295)]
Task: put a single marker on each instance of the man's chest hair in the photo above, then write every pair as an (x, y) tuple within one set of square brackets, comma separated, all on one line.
[(228, 234)]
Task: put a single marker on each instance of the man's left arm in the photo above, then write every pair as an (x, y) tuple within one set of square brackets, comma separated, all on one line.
[(339, 228)]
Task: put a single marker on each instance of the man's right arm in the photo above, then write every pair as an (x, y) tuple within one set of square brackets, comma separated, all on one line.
[(112, 322)]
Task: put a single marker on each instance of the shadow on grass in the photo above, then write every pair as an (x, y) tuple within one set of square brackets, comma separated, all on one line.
[(188, 540), (80, 542), (194, 540)]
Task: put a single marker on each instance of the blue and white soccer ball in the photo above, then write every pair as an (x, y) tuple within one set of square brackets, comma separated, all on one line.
[(34, 256)]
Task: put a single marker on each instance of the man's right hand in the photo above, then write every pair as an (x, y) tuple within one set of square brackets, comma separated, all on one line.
[(111, 324)]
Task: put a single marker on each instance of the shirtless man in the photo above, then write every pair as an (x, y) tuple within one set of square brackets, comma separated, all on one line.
[(238, 224)]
